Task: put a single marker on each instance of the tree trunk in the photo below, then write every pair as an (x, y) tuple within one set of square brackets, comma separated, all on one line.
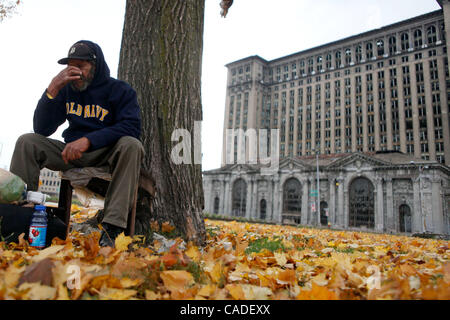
[(160, 57)]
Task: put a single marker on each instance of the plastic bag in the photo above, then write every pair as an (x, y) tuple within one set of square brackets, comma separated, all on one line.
[(12, 188), (88, 198)]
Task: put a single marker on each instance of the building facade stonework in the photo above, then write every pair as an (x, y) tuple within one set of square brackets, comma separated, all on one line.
[(362, 133), (383, 192)]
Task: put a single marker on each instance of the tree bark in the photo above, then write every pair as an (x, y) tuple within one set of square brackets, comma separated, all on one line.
[(160, 57)]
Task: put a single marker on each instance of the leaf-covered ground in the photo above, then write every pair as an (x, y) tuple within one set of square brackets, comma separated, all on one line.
[(240, 261)]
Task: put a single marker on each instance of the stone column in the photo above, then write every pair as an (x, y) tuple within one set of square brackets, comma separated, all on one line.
[(209, 195), (438, 214), (426, 197), (379, 215), (417, 224), (389, 224), (227, 198), (331, 205), (269, 199), (248, 202), (255, 199), (312, 218), (276, 201), (345, 204), (340, 211), (223, 197), (305, 199)]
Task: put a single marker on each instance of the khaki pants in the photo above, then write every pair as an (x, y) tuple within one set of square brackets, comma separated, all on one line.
[(34, 152)]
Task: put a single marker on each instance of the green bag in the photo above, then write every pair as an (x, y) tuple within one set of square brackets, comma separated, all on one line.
[(12, 188)]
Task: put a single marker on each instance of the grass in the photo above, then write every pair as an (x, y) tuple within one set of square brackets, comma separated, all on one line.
[(233, 218), (264, 243)]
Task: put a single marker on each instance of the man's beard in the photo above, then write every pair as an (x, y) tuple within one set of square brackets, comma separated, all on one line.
[(86, 81)]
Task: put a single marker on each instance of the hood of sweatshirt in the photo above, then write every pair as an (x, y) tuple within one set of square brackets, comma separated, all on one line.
[(102, 73)]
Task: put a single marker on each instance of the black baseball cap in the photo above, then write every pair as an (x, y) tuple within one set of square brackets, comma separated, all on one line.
[(79, 51)]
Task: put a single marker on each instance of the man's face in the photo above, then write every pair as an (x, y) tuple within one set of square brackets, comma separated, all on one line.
[(87, 69)]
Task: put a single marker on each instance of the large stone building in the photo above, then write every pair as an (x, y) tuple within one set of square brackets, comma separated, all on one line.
[(49, 182), (352, 101)]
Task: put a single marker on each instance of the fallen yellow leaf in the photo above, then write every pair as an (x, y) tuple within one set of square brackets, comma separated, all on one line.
[(176, 279), (235, 291), (122, 242), (36, 291)]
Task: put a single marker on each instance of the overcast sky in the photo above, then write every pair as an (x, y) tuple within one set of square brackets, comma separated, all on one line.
[(32, 41)]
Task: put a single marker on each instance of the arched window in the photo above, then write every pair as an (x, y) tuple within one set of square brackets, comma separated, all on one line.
[(292, 196), (310, 65), (319, 63), (418, 38), (239, 197), (216, 205), (405, 218), (328, 59), (338, 59), (431, 35), (348, 56), (361, 203), (405, 41), (358, 53), (392, 45), (380, 47), (262, 209), (302, 67), (369, 50)]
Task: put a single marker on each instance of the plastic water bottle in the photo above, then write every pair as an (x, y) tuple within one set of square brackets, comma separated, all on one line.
[(38, 227)]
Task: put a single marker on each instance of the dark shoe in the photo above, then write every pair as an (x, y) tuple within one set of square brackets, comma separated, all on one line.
[(109, 234)]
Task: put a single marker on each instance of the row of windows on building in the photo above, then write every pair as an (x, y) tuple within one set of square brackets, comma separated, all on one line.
[(270, 114), (236, 86), (359, 53), (337, 75), (51, 183), (361, 204)]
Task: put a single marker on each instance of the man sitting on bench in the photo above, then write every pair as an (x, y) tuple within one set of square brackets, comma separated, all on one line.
[(104, 130)]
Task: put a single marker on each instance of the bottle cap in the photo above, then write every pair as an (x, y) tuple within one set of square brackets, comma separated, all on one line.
[(39, 207)]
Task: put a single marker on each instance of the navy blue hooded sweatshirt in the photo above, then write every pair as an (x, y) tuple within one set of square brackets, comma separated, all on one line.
[(106, 111)]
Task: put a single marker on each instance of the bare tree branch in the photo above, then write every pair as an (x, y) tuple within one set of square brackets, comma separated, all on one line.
[(8, 8), (225, 5)]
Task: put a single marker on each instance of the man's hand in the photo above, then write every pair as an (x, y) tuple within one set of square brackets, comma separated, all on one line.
[(74, 150), (68, 74)]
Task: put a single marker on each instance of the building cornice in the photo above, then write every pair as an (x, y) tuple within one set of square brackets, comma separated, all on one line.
[(363, 34), (344, 40), (255, 57)]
